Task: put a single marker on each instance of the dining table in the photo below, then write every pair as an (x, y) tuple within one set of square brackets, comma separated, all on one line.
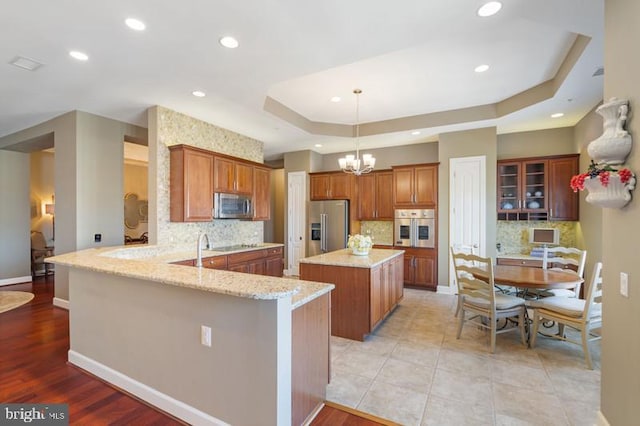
[(531, 278)]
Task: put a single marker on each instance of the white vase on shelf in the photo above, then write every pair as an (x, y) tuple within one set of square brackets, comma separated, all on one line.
[(613, 146)]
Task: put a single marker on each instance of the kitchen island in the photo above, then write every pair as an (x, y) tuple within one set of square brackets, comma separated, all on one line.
[(205, 345), (367, 288)]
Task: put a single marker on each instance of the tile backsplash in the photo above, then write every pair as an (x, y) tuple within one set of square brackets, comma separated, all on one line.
[(175, 128), (513, 236), (381, 231)]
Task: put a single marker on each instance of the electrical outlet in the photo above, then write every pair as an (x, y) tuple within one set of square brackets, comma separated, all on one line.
[(97, 238), (624, 284), (205, 335)]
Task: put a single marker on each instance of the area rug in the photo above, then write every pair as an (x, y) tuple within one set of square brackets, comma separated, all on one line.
[(12, 299)]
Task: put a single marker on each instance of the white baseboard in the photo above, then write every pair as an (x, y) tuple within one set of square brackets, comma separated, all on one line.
[(601, 420), (158, 399), (15, 280), (61, 303), (445, 289)]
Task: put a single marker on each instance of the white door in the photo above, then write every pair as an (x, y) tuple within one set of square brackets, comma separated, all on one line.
[(467, 204), (296, 208)]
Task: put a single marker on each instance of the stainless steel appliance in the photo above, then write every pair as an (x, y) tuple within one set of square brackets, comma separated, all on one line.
[(328, 226), (232, 206), (415, 228)]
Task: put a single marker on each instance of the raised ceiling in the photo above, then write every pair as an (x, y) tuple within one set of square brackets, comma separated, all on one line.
[(413, 58)]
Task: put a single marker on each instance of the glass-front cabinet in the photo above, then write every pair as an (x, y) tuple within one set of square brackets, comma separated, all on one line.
[(522, 190), (537, 188)]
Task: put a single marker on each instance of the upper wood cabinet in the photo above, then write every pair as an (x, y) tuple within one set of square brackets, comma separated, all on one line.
[(191, 184), (261, 193), (375, 196), (537, 188), (232, 176), (563, 202), (331, 186), (415, 186)]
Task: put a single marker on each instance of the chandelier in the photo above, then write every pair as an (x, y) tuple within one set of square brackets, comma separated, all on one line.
[(352, 163)]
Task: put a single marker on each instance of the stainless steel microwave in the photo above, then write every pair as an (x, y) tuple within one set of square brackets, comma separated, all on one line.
[(232, 206)]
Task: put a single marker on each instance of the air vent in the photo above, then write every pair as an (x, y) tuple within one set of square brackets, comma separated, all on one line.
[(599, 71), (26, 63)]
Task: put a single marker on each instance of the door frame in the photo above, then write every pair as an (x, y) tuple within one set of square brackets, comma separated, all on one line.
[(480, 203), (299, 209)]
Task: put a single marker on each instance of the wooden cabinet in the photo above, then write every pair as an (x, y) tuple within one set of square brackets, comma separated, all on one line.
[(189, 262), (232, 176), (563, 202), (274, 262), (215, 262), (415, 186), (375, 196), (331, 186), (537, 188), (190, 184), (261, 193), (420, 268), (362, 297), (261, 262)]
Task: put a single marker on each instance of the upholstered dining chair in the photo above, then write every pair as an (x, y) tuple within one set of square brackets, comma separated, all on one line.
[(479, 298), (581, 314), (566, 259)]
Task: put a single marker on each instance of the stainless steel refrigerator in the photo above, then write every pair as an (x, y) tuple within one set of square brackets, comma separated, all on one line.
[(328, 226)]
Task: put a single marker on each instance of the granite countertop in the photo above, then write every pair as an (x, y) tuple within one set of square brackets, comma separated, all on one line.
[(153, 263), (345, 258)]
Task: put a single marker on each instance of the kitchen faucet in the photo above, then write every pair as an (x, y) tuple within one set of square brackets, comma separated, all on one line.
[(201, 236)]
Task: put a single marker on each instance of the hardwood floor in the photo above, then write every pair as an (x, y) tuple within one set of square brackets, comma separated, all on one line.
[(34, 340)]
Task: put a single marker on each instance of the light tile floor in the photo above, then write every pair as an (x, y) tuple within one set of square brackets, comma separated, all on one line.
[(413, 370)]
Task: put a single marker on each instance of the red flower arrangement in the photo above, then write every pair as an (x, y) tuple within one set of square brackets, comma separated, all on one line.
[(603, 174)]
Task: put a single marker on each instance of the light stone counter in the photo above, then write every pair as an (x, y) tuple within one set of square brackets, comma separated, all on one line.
[(345, 258), (152, 263)]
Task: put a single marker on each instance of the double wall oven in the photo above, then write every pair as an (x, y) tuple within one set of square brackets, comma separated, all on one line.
[(415, 228)]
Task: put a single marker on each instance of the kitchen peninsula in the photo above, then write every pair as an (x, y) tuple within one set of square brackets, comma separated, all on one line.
[(205, 345), (367, 288)]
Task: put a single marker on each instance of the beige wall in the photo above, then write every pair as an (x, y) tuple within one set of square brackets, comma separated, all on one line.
[(387, 157), (589, 229), (465, 144), (42, 190), (15, 243), (136, 181), (621, 342), (538, 143)]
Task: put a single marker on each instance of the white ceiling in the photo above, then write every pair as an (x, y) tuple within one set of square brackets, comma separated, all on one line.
[(409, 57)]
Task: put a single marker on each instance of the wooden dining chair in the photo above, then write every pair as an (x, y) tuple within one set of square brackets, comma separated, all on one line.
[(466, 249), (479, 298), (566, 259), (581, 314)]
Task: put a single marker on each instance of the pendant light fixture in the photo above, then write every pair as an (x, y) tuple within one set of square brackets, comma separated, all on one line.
[(352, 163)]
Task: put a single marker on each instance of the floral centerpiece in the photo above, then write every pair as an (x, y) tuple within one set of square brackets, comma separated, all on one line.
[(360, 244), (607, 186)]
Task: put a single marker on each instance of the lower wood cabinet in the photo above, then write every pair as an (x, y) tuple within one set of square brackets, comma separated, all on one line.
[(267, 261), (420, 268), (362, 298)]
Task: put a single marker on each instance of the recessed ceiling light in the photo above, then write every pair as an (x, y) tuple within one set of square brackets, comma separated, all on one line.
[(318, 145), (489, 9), (557, 115), (230, 42), (135, 24), (199, 93), (336, 99), (79, 55), (415, 132), (481, 68)]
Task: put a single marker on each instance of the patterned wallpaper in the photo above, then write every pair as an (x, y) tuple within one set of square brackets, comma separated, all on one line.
[(175, 128), (513, 236)]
